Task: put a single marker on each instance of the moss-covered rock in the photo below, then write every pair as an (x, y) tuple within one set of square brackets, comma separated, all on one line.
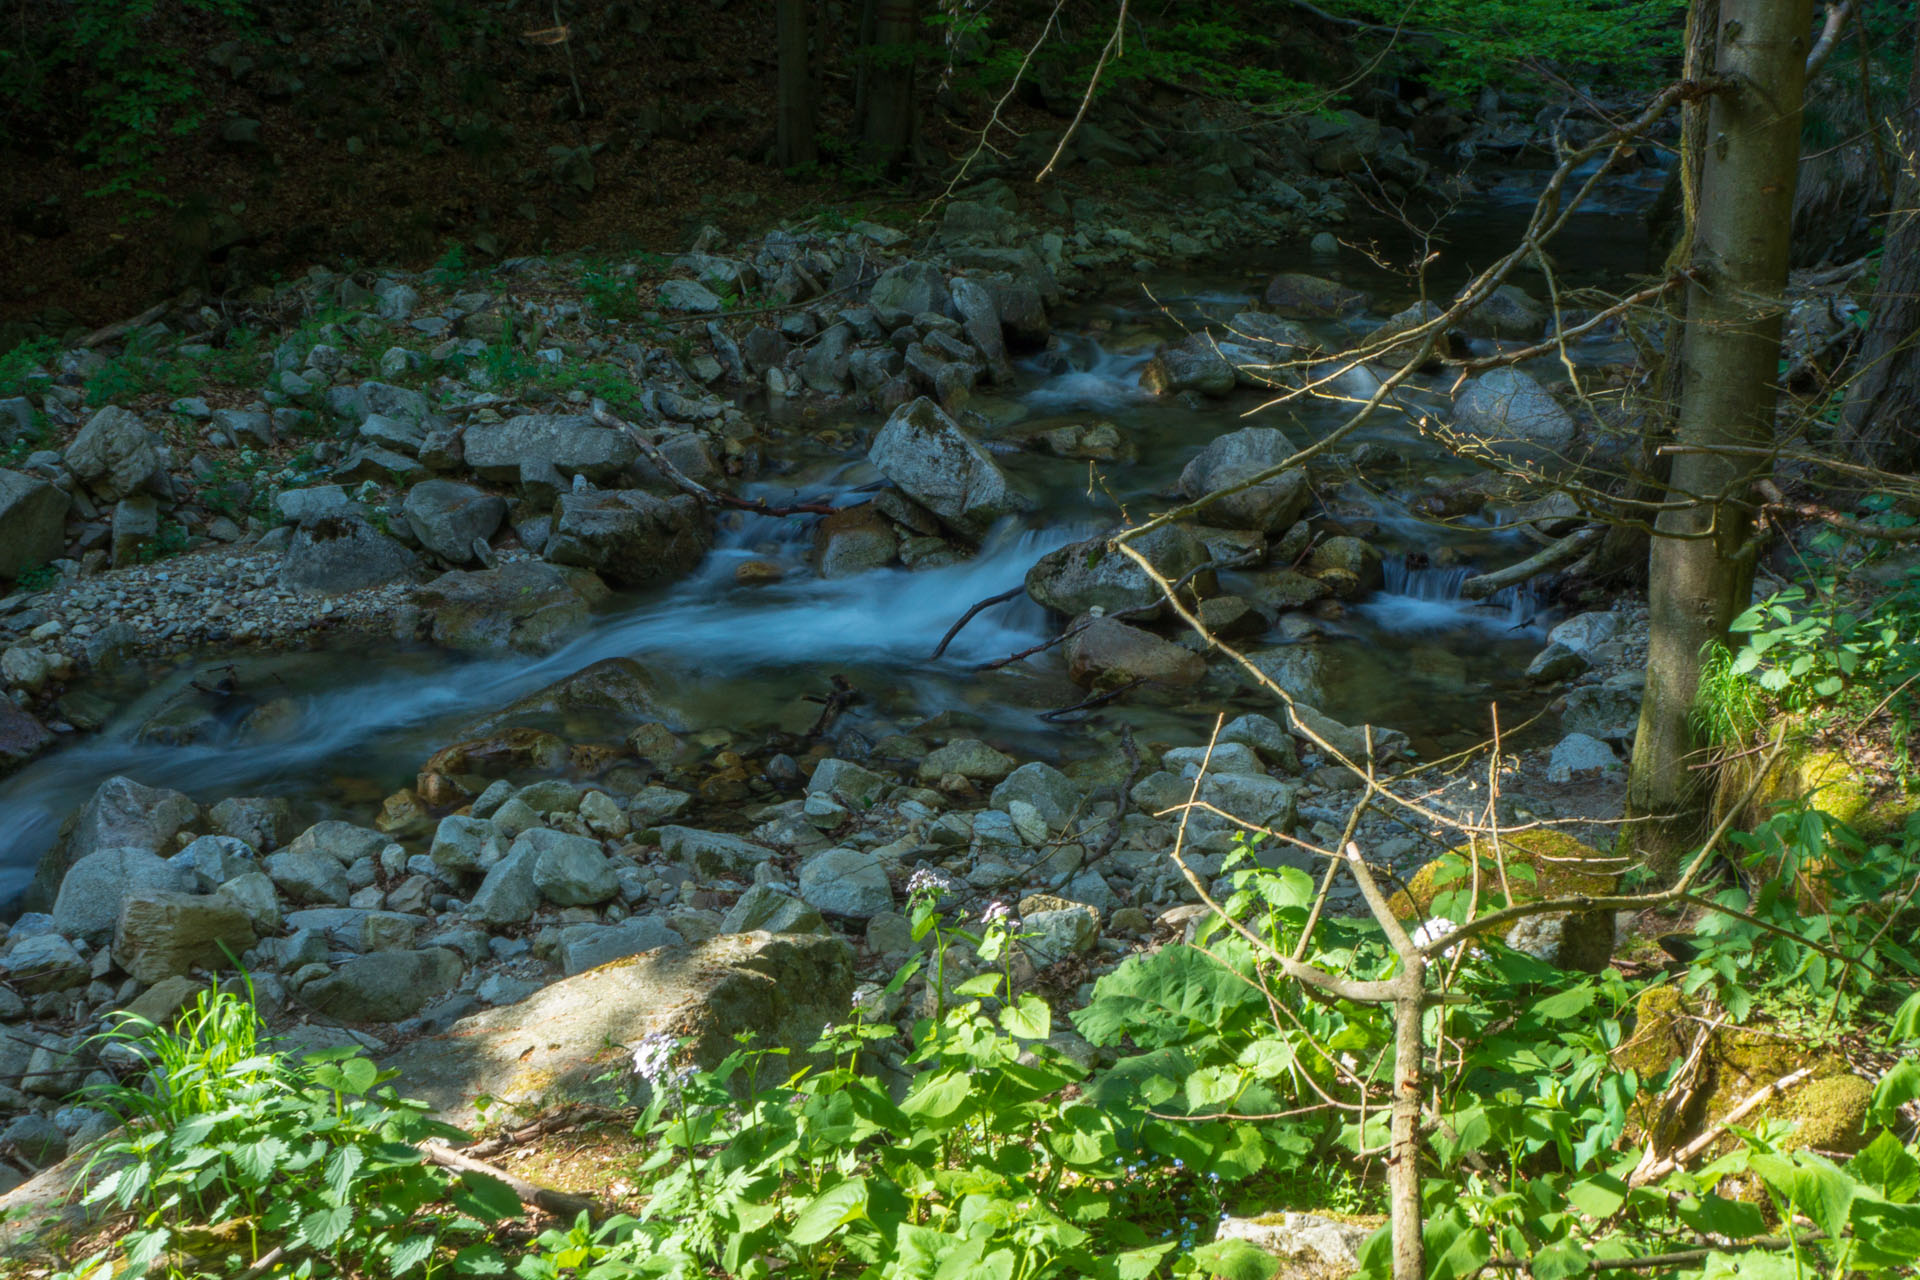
[(1828, 1111), (1820, 777), (1540, 865)]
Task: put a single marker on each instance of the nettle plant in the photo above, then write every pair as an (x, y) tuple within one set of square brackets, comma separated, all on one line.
[(232, 1156)]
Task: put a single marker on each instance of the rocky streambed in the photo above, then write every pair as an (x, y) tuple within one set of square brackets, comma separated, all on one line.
[(551, 709)]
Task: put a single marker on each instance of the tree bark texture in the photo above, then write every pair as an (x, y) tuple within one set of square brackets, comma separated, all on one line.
[(1881, 424), (794, 144), (1701, 563), (887, 130), (1403, 1157), (1624, 553)]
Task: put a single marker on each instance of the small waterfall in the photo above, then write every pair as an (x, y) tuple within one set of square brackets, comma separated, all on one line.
[(1418, 596), (1084, 375)]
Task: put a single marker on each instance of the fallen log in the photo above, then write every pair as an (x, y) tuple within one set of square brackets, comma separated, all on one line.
[(561, 1204), (1483, 585)]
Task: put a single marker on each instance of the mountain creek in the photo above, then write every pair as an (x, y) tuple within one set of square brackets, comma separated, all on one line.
[(419, 831)]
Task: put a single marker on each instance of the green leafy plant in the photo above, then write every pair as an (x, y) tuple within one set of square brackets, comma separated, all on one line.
[(316, 1157), (137, 88)]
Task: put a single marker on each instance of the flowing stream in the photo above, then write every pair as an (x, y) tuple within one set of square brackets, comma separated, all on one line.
[(746, 658)]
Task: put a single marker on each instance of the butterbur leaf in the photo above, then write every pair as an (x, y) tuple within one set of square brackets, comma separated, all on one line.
[(1235, 1259), (359, 1075), (485, 1198), (1027, 1018), (1897, 1088), (1566, 1004), (1135, 1264), (981, 986), (937, 1096), (1165, 997), (1559, 1260), (1455, 1246), (829, 1211), (1716, 1215), (1598, 1195)]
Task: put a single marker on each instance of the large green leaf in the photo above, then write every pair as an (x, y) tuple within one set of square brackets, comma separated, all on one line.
[(323, 1228), (827, 1212), (1559, 1260), (937, 1095), (1888, 1167), (1028, 1018), (1165, 997), (1235, 1259)]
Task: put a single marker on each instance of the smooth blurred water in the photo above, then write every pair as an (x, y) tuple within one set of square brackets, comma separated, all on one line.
[(357, 722)]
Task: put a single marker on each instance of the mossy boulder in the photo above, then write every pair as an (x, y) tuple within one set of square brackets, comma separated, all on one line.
[(1540, 865), (1828, 1111), (1819, 777)]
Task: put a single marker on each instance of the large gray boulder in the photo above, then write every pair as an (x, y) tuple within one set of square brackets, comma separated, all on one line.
[(526, 606), (629, 537), (306, 876), (508, 895), (568, 870), (385, 987), (559, 1042), (114, 454), (94, 888), (980, 317), (588, 946), (1507, 413), (122, 813), (1312, 297), (33, 520), (906, 291), (1270, 506), (162, 934), (845, 882), (21, 736), (569, 444), (463, 843), (926, 455), (712, 853), (343, 552), (1083, 576), (1051, 792), (1195, 364), (1108, 653), (449, 517)]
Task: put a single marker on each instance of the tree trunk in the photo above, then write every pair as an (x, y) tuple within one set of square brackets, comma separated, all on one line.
[(887, 130), (1403, 1153), (1624, 553), (794, 145), (1881, 425), (1701, 566)]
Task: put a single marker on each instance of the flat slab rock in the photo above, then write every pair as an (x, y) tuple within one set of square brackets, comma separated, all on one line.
[(556, 1044), (1309, 1245)]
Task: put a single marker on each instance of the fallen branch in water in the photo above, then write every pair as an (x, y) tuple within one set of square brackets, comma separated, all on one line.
[(693, 488), (1551, 556), (969, 616), (1096, 700), (843, 696)]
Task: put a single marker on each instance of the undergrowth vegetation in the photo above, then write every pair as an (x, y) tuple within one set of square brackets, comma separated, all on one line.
[(974, 1144)]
